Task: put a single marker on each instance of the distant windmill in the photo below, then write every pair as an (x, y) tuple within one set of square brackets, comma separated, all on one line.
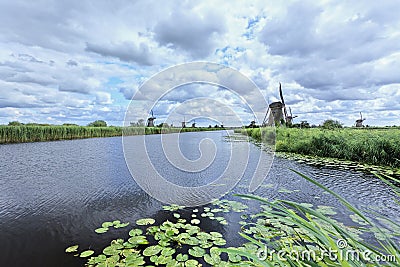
[(252, 124), (184, 123), (289, 119), (194, 124), (150, 121), (359, 122), (277, 113)]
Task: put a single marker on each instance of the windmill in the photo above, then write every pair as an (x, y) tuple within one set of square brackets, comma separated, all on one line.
[(150, 121), (194, 124), (359, 122), (184, 123), (289, 119), (277, 113), (252, 124)]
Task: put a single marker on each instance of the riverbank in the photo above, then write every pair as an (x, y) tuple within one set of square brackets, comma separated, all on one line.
[(370, 146), (26, 134)]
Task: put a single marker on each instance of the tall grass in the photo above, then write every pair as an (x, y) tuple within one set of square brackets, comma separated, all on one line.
[(19, 134), (372, 146), (27, 133), (295, 234)]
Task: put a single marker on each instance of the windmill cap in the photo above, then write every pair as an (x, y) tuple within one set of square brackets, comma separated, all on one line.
[(276, 105)]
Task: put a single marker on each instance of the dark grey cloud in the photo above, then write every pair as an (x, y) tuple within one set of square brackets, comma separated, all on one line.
[(30, 78), (74, 87), (27, 57), (335, 49), (40, 24), (15, 98), (306, 29), (190, 32), (126, 51), (72, 63), (292, 33)]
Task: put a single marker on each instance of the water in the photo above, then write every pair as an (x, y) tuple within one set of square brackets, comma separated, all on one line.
[(54, 194)]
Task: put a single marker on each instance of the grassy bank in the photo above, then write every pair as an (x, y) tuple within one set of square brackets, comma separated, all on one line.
[(22, 134), (371, 146)]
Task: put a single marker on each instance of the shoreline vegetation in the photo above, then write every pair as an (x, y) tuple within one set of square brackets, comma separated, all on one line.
[(377, 146), (39, 133)]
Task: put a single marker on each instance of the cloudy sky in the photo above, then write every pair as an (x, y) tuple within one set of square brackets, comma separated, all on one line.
[(79, 61)]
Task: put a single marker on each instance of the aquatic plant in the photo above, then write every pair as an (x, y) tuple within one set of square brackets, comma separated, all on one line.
[(372, 146), (286, 233)]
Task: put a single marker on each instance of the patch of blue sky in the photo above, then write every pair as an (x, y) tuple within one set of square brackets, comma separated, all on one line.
[(251, 24), (113, 87)]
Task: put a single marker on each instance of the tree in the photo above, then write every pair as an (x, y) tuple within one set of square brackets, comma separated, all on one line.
[(163, 125), (332, 124), (304, 124), (98, 123), (14, 123), (140, 122)]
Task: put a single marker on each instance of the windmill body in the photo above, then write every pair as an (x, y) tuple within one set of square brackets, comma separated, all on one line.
[(276, 113)]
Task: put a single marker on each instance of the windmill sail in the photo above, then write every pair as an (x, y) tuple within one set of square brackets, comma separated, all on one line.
[(281, 94), (283, 101), (265, 120)]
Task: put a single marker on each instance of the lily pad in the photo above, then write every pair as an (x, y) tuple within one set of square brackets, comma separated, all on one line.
[(192, 263), (146, 221), (135, 232), (73, 248), (116, 222), (101, 230), (106, 224), (197, 252), (195, 221), (182, 257), (152, 250), (121, 225), (86, 253)]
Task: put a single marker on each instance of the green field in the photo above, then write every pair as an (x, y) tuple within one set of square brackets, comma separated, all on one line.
[(379, 146), (25, 133)]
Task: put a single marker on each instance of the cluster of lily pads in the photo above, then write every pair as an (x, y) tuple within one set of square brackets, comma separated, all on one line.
[(106, 226), (170, 243), (340, 164)]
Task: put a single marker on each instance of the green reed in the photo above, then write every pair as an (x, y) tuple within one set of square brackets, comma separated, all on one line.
[(28, 133), (371, 146)]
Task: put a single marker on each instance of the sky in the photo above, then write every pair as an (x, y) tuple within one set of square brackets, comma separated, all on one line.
[(81, 61)]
